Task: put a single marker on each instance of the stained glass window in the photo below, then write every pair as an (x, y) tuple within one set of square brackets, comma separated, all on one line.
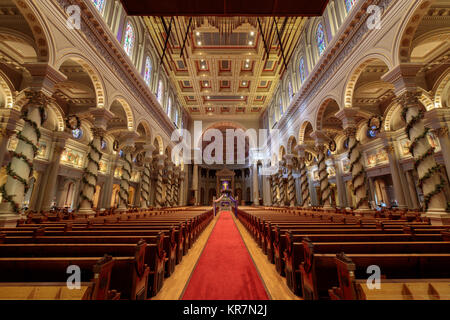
[(104, 144), (77, 133), (148, 70), (159, 93), (128, 43), (302, 69), (349, 4), (99, 4), (320, 38)]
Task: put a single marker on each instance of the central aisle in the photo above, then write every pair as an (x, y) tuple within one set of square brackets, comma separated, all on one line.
[(225, 270)]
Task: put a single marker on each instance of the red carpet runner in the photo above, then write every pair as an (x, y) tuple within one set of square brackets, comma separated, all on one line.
[(225, 270)]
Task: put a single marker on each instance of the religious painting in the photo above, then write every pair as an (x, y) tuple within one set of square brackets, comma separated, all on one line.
[(72, 158), (404, 147), (118, 173), (433, 141), (103, 166)]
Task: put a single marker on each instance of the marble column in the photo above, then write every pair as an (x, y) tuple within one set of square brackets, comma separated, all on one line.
[(430, 180), (176, 186), (146, 175), (21, 164), (126, 177), (255, 184), (323, 176), (169, 184), (291, 183), (304, 184), (195, 184), (159, 184), (398, 189), (182, 190), (412, 189), (274, 185), (281, 186), (48, 187), (108, 188), (89, 180), (340, 184)]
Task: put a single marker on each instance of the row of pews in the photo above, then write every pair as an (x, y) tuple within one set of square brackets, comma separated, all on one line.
[(118, 256), (329, 255)]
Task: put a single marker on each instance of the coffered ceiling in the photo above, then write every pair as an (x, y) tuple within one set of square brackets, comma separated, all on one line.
[(225, 65)]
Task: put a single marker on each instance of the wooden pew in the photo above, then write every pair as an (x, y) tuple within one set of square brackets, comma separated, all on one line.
[(351, 288), (319, 273), (33, 278)]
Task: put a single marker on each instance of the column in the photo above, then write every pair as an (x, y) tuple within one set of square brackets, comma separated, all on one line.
[(169, 185), (127, 150), (340, 184), (108, 189), (255, 184), (195, 184), (159, 184), (412, 189), (398, 189), (182, 191), (281, 186), (274, 189), (291, 183), (47, 187), (20, 168), (146, 174), (359, 179), (304, 184), (430, 180)]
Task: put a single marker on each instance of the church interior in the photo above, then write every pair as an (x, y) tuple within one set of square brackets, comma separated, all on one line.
[(224, 150)]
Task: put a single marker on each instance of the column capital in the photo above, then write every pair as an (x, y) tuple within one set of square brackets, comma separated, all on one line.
[(44, 77), (350, 132), (300, 149), (161, 158), (101, 117), (128, 139), (98, 132), (403, 77), (320, 137), (60, 138), (289, 160)]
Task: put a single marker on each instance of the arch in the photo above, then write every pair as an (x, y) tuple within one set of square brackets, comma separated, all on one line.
[(407, 31), (442, 83), (301, 132), (128, 111), (389, 114), (322, 109), (158, 142), (5, 88), (147, 128), (281, 153), (42, 36), (97, 81), (292, 142), (356, 72), (59, 114)]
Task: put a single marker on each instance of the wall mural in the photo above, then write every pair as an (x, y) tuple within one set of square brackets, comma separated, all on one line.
[(103, 166), (72, 158), (376, 158)]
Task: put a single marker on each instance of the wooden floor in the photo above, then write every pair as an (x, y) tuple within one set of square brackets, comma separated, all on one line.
[(275, 284)]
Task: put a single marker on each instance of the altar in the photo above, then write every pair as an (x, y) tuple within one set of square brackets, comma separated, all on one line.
[(226, 202)]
